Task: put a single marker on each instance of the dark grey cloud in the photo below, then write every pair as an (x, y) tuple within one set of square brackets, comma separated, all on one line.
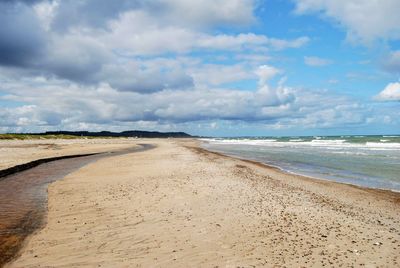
[(391, 62), (69, 39), (145, 80), (22, 40), (55, 103), (75, 57), (30, 2), (93, 13), (197, 14)]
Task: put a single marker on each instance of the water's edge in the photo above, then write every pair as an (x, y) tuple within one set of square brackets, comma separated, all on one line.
[(366, 161), (289, 172), (22, 167)]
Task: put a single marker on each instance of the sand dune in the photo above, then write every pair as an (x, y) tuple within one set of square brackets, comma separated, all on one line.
[(180, 206)]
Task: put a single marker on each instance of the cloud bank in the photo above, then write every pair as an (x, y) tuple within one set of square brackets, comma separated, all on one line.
[(364, 21), (159, 64)]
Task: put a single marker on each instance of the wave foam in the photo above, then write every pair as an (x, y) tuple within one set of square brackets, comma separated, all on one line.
[(316, 143)]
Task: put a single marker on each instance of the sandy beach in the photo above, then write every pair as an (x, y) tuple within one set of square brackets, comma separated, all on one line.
[(178, 205), (16, 152)]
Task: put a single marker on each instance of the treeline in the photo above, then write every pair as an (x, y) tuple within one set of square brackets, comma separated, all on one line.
[(129, 133)]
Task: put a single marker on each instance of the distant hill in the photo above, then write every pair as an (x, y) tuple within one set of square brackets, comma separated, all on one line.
[(129, 133)]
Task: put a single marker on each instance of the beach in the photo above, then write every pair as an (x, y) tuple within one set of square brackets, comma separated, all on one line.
[(17, 152), (179, 205)]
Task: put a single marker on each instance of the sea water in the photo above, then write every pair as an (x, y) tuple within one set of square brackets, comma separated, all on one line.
[(371, 161)]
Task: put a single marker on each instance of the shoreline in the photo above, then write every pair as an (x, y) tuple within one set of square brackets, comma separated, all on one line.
[(288, 172), (31, 164), (314, 175), (226, 199), (395, 194)]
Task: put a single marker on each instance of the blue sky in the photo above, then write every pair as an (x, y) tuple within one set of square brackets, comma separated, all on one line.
[(221, 67)]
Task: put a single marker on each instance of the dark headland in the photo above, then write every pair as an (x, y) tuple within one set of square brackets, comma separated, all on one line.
[(124, 134)]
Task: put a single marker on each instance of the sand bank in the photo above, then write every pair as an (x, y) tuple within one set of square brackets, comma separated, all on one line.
[(23, 195), (16, 152), (179, 206)]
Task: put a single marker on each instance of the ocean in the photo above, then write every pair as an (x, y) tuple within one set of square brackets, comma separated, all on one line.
[(371, 161)]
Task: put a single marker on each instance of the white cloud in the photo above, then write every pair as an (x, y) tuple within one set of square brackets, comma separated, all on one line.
[(59, 104), (151, 64), (279, 98), (316, 61), (390, 93), (99, 41), (364, 20), (46, 12), (265, 73), (140, 33)]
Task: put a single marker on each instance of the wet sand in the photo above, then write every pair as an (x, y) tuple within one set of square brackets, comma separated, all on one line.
[(23, 199), (179, 205)]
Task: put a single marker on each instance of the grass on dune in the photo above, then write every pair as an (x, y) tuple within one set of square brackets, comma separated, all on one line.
[(42, 137)]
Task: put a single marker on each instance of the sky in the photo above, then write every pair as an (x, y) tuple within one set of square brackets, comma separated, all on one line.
[(211, 67)]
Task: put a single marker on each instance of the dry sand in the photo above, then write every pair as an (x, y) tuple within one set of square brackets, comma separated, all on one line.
[(181, 206)]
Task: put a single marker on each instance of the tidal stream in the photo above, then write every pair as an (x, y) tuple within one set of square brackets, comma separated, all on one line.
[(23, 197)]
